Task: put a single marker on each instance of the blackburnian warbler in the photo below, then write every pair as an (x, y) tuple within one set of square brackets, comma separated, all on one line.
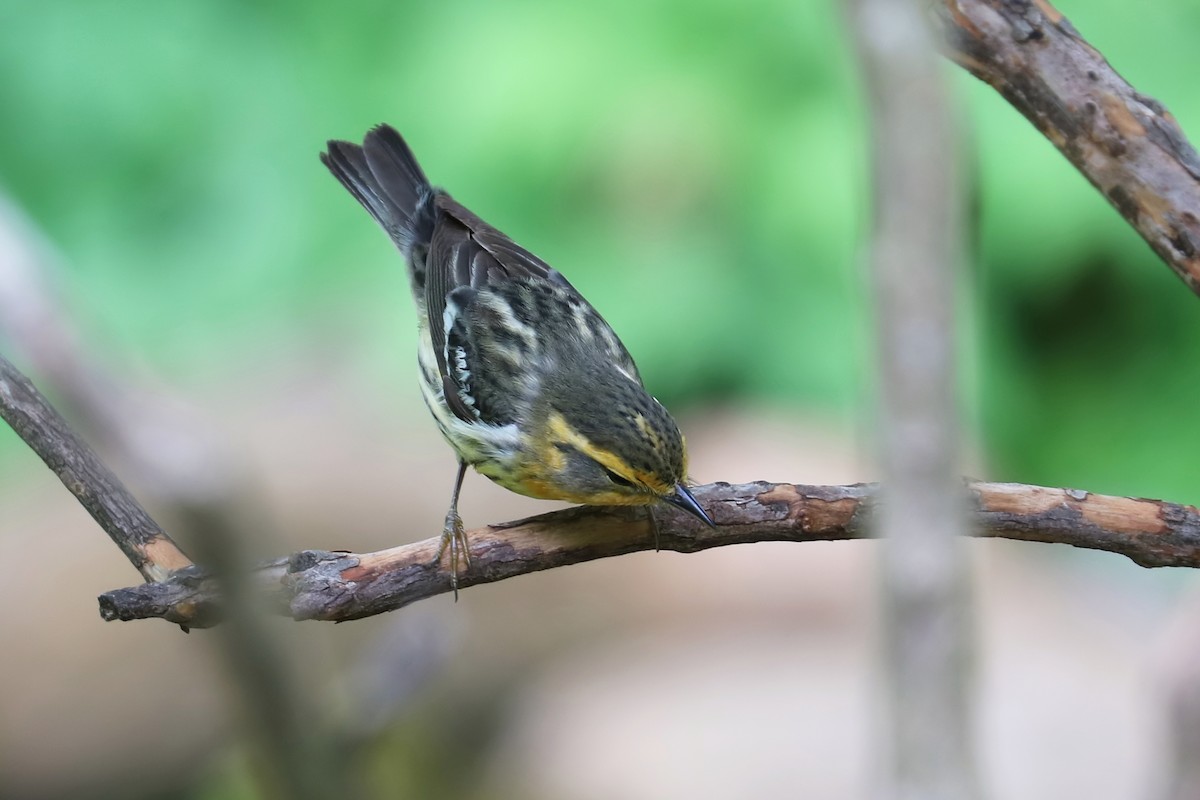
[(526, 381)]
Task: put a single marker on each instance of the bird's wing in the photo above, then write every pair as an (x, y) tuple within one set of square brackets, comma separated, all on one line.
[(491, 256), (465, 256)]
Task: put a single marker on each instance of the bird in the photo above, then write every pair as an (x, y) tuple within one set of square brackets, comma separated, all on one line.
[(526, 381)]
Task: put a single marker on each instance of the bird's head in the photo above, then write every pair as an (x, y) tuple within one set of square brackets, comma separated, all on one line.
[(613, 445)]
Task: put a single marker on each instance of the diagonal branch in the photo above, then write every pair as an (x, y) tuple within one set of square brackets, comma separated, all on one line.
[(341, 586), (1126, 143), (94, 485)]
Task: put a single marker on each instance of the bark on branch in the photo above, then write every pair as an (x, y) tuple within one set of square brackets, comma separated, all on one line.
[(1126, 143), (94, 485), (342, 586)]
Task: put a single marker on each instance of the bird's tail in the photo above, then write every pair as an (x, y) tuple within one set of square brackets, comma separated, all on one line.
[(384, 176)]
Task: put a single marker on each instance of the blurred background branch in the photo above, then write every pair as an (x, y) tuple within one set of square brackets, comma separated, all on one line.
[(916, 258), (174, 453), (1177, 674), (178, 461)]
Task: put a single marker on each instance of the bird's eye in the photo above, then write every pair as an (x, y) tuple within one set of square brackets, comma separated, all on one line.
[(617, 479)]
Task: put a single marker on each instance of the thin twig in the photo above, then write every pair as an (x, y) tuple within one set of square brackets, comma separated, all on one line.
[(1125, 142), (341, 586), (143, 542)]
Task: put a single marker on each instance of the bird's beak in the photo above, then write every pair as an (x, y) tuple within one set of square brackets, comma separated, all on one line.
[(685, 500)]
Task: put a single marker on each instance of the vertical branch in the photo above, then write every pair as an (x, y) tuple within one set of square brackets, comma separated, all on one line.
[(913, 252), (295, 756), (1178, 675)]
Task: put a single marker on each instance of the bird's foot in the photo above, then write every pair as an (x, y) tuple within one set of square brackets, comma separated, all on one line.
[(454, 539), (654, 528)]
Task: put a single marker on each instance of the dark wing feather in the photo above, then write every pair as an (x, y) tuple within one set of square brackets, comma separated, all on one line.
[(453, 254), (456, 384), (513, 260), (401, 180), (385, 178), (465, 251), (348, 165), (447, 268)]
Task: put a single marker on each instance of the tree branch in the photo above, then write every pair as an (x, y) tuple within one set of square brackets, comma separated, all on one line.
[(915, 259), (341, 586), (1126, 143), (94, 485)]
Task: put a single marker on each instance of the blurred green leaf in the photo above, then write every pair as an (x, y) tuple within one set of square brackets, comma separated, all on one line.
[(697, 168)]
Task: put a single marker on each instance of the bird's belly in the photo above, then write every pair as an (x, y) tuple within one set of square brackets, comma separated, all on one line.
[(477, 443), (495, 451), (492, 449)]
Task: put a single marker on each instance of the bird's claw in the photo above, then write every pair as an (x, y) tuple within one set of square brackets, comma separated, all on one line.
[(454, 539)]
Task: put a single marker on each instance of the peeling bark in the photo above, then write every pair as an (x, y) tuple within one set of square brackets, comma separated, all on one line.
[(341, 586), (1125, 142)]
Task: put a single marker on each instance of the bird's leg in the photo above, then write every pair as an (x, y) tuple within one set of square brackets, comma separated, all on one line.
[(454, 536), (653, 527)]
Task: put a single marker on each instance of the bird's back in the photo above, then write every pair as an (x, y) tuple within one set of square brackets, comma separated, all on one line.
[(478, 292)]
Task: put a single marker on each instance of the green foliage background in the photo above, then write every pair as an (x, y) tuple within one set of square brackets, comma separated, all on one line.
[(697, 168)]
